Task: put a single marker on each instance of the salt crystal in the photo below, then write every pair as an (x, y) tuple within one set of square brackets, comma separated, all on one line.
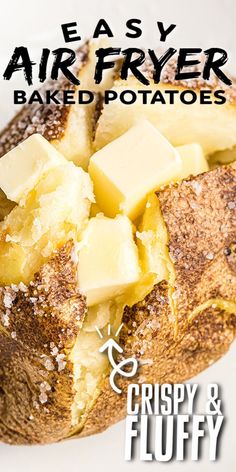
[(210, 256), (54, 351), (44, 387), (61, 362), (43, 398), (8, 300), (22, 287), (155, 324), (193, 205), (48, 364), (61, 365), (146, 362), (14, 287), (196, 187), (231, 205), (33, 299), (5, 319), (13, 335), (60, 357)]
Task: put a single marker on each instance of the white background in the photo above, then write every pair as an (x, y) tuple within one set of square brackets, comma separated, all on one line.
[(203, 23)]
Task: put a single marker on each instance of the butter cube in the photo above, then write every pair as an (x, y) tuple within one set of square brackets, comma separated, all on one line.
[(21, 168), (193, 160), (126, 170), (108, 259)]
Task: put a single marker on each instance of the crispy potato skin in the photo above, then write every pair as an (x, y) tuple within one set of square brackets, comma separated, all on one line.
[(47, 314), (201, 228)]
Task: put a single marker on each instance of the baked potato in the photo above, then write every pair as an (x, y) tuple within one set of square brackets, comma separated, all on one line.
[(178, 317)]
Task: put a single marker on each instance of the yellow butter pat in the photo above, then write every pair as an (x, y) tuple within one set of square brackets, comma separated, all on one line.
[(108, 259), (193, 160), (126, 170), (21, 168)]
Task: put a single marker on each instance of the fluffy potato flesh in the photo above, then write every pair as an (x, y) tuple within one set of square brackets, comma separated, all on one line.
[(90, 366), (47, 218)]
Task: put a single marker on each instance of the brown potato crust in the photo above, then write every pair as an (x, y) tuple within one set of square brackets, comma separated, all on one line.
[(41, 323)]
